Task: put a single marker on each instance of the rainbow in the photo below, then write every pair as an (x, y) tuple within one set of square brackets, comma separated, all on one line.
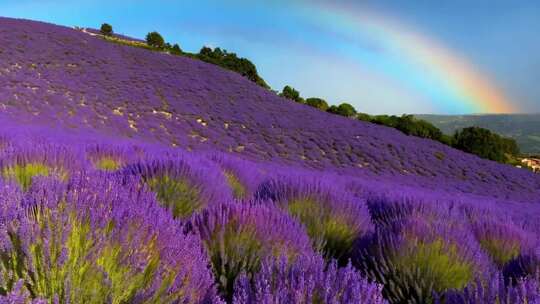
[(422, 64)]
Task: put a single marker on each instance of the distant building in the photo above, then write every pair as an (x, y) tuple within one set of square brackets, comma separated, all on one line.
[(532, 163)]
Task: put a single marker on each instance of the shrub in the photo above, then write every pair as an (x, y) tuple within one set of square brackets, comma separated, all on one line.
[(502, 240), (343, 109), (175, 50), (183, 185), (318, 103), (292, 94), (483, 143), (23, 164), (106, 29), (154, 39), (99, 240), (239, 236), (415, 259), (231, 62), (333, 219), (493, 289), (307, 280)]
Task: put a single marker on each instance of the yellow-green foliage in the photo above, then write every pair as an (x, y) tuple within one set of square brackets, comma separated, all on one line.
[(330, 232), (434, 263), (23, 174), (501, 252), (77, 267), (239, 191), (181, 198), (107, 164), (234, 249)]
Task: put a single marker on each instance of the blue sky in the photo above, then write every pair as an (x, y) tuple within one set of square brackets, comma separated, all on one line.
[(327, 53)]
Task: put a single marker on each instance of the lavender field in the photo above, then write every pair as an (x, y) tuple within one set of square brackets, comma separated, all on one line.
[(134, 176)]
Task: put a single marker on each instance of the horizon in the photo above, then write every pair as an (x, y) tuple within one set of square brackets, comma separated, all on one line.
[(380, 58)]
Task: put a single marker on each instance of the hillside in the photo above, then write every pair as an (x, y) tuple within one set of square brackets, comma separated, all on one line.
[(524, 128), (129, 175), (61, 77)]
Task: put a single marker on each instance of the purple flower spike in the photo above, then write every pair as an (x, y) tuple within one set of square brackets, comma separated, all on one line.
[(22, 164), (414, 258), (183, 185), (334, 219), (109, 158), (308, 280), (239, 236), (242, 176), (99, 239), (494, 290), (502, 240)]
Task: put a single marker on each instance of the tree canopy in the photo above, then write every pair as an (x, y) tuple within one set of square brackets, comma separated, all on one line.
[(344, 109), (292, 94), (318, 103), (106, 29), (154, 39), (176, 49), (231, 62), (485, 144)]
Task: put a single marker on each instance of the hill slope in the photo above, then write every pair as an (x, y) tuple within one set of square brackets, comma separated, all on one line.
[(58, 77), (524, 128)]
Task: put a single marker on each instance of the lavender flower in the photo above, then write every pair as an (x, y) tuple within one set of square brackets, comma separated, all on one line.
[(239, 236), (333, 218), (308, 280), (494, 290), (97, 240), (242, 176), (502, 240), (109, 158), (182, 185), (22, 164), (414, 258)]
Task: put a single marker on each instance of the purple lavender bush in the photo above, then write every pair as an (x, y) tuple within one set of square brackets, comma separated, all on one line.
[(183, 185), (23, 164), (243, 177), (110, 158), (307, 280), (238, 236), (494, 290), (502, 240), (96, 240), (333, 218), (415, 258)]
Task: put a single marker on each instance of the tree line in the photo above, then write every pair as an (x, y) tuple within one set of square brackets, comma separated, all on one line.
[(217, 56), (479, 141)]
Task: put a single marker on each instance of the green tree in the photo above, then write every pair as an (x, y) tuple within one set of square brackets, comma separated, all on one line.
[(344, 109), (481, 142), (106, 29), (154, 39), (176, 49), (231, 62), (409, 125), (291, 93), (205, 51), (363, 117), (318, 103)]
